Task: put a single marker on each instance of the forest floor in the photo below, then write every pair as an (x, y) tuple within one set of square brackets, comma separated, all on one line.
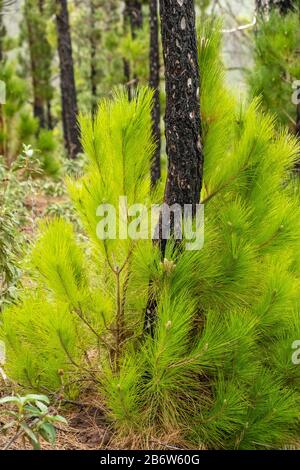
[(88, 429)]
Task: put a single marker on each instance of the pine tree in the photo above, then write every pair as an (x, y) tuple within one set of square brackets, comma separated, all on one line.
[(154, 82), (276, 65), (133, 18), (218, 372), (2, 36), (67, 80), (40, 60), (93, 53)]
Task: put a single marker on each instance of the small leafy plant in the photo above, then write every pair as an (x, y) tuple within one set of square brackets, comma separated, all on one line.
[(31, 419), (16, 185)]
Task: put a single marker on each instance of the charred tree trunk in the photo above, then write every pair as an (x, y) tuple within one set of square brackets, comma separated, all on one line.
[(93, 51), (2, 34), (264, 7), (38, 102), (284, 6), (49, 115), (135, 13), (47, 104), (133, 17), (67, 80), (183, 121), (154, 83)]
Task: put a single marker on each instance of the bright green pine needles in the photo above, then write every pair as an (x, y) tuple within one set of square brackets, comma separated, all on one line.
[(218, 372)]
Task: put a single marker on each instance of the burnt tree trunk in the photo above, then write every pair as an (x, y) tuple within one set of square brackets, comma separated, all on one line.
[(38, 102), (49, 115), (47, 105), (183, 122), (264, 7), (67, 80), (133, 17), (283, 6), (93, 51), (154, 83), (135, 13), (182, 119), (2, 34)]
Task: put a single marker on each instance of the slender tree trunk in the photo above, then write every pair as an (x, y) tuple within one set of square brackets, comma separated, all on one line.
[(154, 83), (133, 16), (67, 80), (2, 34), (49, 115), (38, 102), (93, 51), (183, 121), (134, 8), (47, 104)]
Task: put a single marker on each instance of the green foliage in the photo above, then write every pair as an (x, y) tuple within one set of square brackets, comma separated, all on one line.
[(13, 216), (276, 64), (18, 126), (32, 419), (47, 147)]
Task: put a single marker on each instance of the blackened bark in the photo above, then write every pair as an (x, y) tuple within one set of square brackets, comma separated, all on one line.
[(183, 123), (154, 83), (127, 74), (2, 31), (67, 80), (133, 16), (93, 51), (49, 115), (297, 127), (284, 6), (38, 102), (264, 7), (2, 34)]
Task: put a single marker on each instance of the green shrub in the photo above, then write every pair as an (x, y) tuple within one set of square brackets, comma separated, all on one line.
[(276, 64), (47, 146)]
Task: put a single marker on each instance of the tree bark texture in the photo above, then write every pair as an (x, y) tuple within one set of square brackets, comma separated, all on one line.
[(67, 80), (182, 119), (154, 83), (183, 122)]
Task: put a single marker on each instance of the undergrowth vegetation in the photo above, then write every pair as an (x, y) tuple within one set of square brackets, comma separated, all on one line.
[(218, 370), (276, 65)]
